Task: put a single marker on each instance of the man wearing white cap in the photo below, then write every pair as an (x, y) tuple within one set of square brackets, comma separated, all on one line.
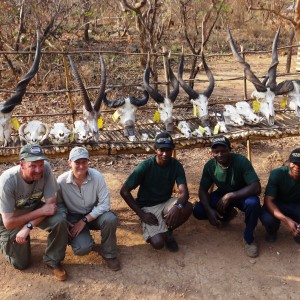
[(22, 189), (85, 195)]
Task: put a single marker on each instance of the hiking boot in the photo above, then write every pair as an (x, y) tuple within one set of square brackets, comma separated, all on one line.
[(171, 243), (113, 263), (59, 272), (251, 249), (270, 237)]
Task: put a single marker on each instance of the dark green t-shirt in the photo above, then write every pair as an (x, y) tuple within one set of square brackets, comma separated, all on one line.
[(155, 182), (239, 174), (282, 186)]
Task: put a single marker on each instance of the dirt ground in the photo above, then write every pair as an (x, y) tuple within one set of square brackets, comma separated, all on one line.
[(211, 263)]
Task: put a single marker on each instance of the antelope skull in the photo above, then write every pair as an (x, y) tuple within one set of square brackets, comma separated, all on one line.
[(200, 100), (267, 89), (165, 105), (91, 112)]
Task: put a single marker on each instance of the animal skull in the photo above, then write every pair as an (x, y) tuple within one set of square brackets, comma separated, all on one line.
[(34, 132)]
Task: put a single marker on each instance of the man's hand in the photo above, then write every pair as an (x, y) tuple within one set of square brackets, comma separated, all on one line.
[(223, 203), (77, 228), (149, 219), (214, 217), (293, 227), (21, 237), (49, 209), (172, 216)]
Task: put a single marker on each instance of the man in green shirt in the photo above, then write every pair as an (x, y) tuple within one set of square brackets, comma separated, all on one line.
[(159, 212), (237, 186), (282, 199)]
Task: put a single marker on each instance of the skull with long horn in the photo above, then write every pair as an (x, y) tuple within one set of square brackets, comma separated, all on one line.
[(91, 112)]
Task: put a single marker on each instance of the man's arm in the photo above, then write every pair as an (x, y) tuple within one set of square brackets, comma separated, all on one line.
[(249, 190), (147, 218), (11, 221), (212, 215), (276, 212)]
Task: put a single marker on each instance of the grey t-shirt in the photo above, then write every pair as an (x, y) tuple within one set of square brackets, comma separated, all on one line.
[(20, 197)]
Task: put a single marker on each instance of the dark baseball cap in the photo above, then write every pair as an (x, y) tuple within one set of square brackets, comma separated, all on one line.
[(32, 152), (164, 140), (220, 140), (295, 156)]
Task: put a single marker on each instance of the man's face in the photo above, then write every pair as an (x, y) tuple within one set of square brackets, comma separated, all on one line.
[(295, 170), (31, 171), (163, 155), (79, 167), (221, 154)]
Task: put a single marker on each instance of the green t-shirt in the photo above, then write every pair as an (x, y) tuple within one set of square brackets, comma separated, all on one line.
[(282, 186), (239, 174), (155, 182)]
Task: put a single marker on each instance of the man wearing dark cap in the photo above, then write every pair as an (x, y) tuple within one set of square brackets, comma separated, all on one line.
[(28, 200), (282, 199), (159, 212), (237, 186), (84, 192)]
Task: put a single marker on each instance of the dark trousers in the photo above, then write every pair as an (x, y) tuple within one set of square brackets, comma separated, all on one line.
[(249, 205)]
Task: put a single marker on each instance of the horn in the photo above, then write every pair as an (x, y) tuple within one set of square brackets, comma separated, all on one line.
[(249, 74), (47, 131), (139, 102), (174, 82), (113, 103), (274, 64), (192, 93), (16, 98), (102, 84), (87, 102), (210, 76), (153, 93), (284, 87)]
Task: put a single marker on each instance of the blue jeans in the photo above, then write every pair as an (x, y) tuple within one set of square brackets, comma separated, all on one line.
[(292, 210), (250, 206)]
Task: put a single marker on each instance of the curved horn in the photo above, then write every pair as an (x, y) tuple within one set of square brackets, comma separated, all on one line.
[(249, 74), (102, 84), (284, 87), (16, 98), (274, 64), (210, 76), (174, 83), (192, 93), (139, 102), (113, 103), (153, 93), (87, 102), (47, 131)]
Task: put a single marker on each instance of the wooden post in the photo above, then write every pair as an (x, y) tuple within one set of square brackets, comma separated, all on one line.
[(245, 80), (67, 74), (166, 71), (249, 149)]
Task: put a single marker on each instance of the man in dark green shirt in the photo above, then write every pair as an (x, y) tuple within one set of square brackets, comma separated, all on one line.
[(237, 186), (159, 212), (282, 199)]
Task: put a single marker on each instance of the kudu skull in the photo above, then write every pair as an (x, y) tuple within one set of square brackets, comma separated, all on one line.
[(267, 89), (165, 105), (91, 112)]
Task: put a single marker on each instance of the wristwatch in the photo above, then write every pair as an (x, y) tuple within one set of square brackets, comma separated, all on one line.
[(29, 225), (85, 220), (179, 205)]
